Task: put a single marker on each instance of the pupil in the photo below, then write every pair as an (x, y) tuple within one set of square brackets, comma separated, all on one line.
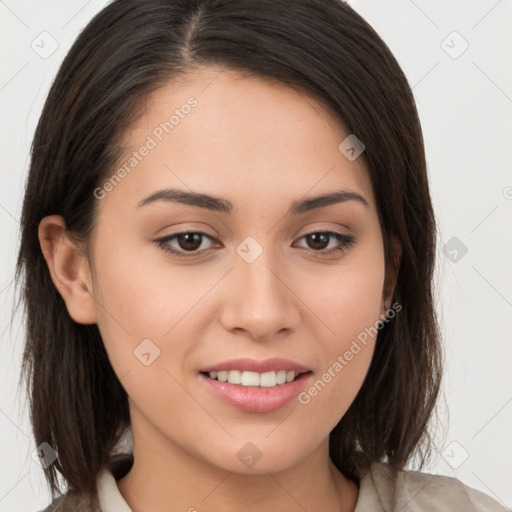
[(196, 237), (316, 237)]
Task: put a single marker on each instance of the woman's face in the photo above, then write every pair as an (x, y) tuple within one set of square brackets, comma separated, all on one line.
[(254, 286)]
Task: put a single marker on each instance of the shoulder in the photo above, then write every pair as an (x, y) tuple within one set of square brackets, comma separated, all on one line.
[(116, 467), (418, 491)]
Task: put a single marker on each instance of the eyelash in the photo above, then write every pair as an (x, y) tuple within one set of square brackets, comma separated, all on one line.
[(347, 241)]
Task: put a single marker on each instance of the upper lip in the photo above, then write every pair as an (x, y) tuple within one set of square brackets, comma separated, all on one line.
[(259, 366)]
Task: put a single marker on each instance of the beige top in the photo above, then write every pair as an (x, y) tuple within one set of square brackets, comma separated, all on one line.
[(380, 490)]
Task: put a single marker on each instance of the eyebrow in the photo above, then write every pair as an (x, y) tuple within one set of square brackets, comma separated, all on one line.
[(224, 206)]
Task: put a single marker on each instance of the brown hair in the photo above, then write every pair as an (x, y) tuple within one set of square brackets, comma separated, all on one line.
[(133, 47)]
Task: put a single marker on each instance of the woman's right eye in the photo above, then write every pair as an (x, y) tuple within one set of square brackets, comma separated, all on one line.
[(189, 241)]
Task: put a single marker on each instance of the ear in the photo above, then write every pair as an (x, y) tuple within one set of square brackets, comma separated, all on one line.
[(69, 269), (391, 274)]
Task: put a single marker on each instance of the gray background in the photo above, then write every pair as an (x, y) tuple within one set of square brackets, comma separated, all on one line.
[(464, 96)]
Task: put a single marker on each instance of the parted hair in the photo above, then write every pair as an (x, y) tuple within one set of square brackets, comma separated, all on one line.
[(131, 49)]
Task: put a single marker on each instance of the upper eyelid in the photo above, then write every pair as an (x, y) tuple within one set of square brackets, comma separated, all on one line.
[(216, 238)]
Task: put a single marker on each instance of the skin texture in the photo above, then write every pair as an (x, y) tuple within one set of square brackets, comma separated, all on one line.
[(262, 146)]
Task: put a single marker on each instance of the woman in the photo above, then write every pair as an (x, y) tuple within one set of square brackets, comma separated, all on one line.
[(228, 247)]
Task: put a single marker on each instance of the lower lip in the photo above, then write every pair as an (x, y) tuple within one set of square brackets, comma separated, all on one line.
[(255, 398)]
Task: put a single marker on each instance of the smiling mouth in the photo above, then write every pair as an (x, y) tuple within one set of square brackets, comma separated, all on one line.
[(256, 392), (254, 379)]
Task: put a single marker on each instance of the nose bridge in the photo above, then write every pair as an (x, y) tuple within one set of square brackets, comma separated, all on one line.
[(256, 268), (263, 303)]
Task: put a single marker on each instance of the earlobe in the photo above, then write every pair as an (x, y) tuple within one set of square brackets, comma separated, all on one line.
[(69, 269)]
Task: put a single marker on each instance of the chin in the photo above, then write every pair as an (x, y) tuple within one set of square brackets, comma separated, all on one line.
[(258, 457)]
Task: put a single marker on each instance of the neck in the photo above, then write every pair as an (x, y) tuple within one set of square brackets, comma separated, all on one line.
[(172, 479)]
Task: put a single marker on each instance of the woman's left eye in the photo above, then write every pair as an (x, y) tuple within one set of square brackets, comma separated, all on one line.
[(191, 241), (320, 238)]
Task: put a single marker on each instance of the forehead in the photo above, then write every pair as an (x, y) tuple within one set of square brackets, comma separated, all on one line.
[(226, 131)]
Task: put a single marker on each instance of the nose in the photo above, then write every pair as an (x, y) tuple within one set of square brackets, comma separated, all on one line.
[(260, 299)]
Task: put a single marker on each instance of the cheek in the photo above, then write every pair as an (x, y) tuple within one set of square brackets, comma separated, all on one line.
[(134, 305), (150, 321), (138, 293), (345, 352), (140, 314), (349, 304), (348, 300)]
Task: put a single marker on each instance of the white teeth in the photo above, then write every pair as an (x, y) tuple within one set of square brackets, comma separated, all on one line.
[(235, 377), (268, 379), (265, 380), (250, 379), (222, 376), (281, 376)]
